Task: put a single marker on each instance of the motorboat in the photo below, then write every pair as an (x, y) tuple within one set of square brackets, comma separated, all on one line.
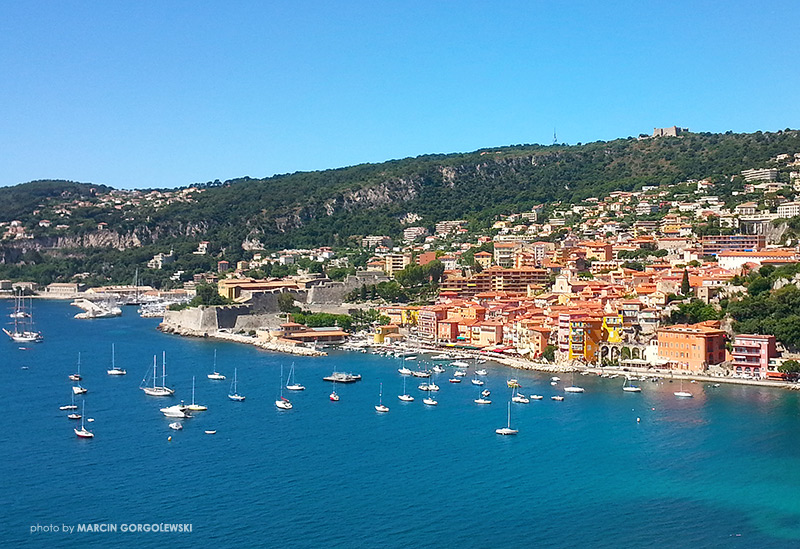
[(438, 369), (513, 383), (482, 400), (486, 393), (404, 371), (423, 386), (211, 432), (430, 401), (177, 426), (177, 410), (421, 373), (481, 372), (459, 364), (340, 377), (557, 397), (520, 399), (455, 380), (433, 387), (477, 381), (573, 389), (459, 373), (537, 397)]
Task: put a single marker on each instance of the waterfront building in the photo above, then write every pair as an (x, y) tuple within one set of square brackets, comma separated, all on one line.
[(752, 353), (691, 347)]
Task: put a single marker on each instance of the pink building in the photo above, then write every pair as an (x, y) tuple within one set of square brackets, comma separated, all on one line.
[(751, 354)]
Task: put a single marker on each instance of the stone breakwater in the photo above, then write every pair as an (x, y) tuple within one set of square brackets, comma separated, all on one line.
[(268, 345)]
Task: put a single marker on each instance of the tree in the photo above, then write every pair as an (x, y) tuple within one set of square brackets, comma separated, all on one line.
[(789, 367), (286, 302), (685, 287), (758, 286), (549, 353)]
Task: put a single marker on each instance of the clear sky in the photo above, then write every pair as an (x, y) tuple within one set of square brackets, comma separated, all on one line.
[(168, 93)]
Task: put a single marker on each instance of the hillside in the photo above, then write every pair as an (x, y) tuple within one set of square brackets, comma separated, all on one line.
[(327, 207)]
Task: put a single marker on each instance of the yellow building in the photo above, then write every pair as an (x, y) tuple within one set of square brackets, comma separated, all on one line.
[(401, 316), (382, 332), (612, 328), (585, 336)]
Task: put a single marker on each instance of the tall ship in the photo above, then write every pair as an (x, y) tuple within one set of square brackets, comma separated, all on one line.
[(23, 331)]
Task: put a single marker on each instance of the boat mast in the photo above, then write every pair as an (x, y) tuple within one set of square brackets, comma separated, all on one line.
[(164, 368)]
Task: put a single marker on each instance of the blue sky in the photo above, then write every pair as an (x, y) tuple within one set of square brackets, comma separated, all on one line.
[(165, 94)]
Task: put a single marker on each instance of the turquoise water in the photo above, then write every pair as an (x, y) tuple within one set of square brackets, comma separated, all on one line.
[(722, 468)]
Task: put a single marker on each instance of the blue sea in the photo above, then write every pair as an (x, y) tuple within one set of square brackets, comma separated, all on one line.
[(600, 469)]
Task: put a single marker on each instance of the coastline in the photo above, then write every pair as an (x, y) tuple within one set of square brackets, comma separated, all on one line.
[(238, 338)]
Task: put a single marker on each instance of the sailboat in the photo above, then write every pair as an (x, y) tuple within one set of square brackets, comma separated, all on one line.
[(629, 387), (291, 383), (405, 397), (78, 390), (73, 415), (196, 407), (77, 376), (282, 403), (216, 376), (380, 407), (158, 390), (430, 401), (682, 393), (507, 430), (82, 432), (233, 395), (23, 325), (114, 371), (334, 396), (573, 388), (71, 406)]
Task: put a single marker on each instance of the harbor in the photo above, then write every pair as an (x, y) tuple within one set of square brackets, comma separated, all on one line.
[(631, 437)]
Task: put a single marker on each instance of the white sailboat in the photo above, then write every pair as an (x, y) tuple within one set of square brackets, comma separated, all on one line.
[(682, 393), (629, 387), (233, 394), (114, 371), (573, 388), (193, 406), (23, 325), (73, 415), (430, 401), (78, 390), (291, 382), (507, 430), (405, 397), (215, 375), (77, 376), (380, 407), (158, 390), (82, 432), (71, 406), (283, 403)]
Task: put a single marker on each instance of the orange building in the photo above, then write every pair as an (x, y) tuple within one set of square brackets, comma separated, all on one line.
[(692, 347)]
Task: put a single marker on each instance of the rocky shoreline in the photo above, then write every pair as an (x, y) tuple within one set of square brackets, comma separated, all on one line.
[(267, 345)]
